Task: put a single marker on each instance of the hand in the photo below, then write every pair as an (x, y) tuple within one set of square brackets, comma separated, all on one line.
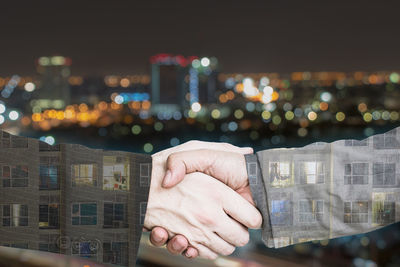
[(226, 166), (198, 208), (159, 235)]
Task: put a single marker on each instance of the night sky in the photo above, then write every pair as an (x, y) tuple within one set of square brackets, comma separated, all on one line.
[(114, 36)]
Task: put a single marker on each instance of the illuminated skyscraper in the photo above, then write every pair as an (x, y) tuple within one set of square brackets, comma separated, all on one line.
[(178, 82), (54, 90), (168, 86)]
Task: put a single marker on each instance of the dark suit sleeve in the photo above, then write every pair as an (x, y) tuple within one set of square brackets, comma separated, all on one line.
[(72, 199), (327, 190)]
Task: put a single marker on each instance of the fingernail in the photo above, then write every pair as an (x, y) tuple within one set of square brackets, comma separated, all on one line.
[(167, 178), (176, 246), (157, 238), (187, 254)]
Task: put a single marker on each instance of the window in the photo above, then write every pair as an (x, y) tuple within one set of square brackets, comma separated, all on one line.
[(383, 208), (5, 140), (311, 210), (49, 243), (143, 206), (280, 174), (49, 216), (384, 174), (356, 212), (282, 241), (115, 173), (281, 212), (18, 178), (17, 245), (356, 173), (144, 174), (116, 253), (15, 215), (312, 172), (386, 141), (252, 171), (84, 214), (115, 215), (49, 177), (6, 175), (356, 142), (84, 174), (19, 142), (85, 249), (46, 147)]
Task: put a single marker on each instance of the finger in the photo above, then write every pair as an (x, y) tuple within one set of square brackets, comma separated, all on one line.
[(205, 252), (228, 167), (240, 209), (219, 245), (191, 253), (177, 244), (233, 232), (158, 236)]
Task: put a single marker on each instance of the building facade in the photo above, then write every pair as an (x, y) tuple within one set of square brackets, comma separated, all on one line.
[(70, 199)]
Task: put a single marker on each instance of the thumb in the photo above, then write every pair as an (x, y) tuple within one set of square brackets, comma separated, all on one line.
[(176, 171), (228, 167)]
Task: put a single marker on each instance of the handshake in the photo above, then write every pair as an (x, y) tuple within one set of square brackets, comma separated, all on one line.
[(200, 202)]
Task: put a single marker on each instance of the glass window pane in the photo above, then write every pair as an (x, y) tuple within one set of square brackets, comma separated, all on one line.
[(88, 209)]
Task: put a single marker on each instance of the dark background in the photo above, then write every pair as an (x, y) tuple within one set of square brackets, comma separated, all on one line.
[(247, 36)]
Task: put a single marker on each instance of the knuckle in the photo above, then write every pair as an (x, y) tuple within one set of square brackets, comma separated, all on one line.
[(205, 219)]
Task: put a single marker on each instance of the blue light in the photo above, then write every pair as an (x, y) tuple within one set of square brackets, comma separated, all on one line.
[(193, 85), (127, 97)]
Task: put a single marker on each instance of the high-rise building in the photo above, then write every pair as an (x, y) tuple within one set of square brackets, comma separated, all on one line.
[(54, 89), (70, 199), (168, 86), (178, 82)]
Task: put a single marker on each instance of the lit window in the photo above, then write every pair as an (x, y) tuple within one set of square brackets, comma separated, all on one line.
[(85, 249), (48, 175), (84, 174), (15, 215), (383, 208), (115, 173), (356, 212), (282, 241), (84, 214), (280, 174), (356, 173), (311, 210), (281, 212), (312, 172)]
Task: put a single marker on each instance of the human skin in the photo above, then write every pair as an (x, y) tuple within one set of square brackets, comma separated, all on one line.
[(226, 166), (208, 229)]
